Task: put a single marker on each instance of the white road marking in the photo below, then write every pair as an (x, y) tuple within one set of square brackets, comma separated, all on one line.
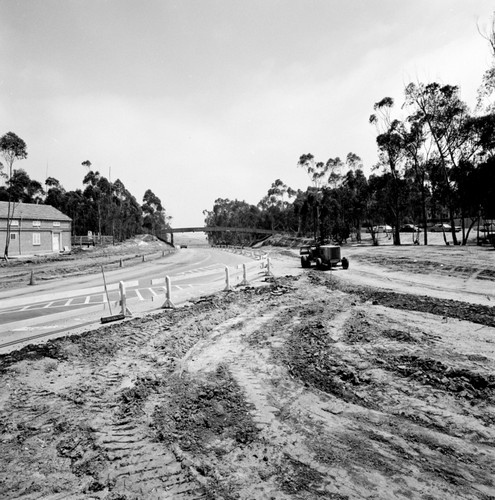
[(153, 292), (48, 305), (69, 302), (139, 296), (88, 298)]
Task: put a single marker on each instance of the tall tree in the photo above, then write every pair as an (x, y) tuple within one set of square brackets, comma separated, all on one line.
[(277, 208), (486, 91), (391, 146), (441, 110), (315, 170), (12, 148), (93, 195), (153, 212), (418, 150), (24, 189), (356, 190), (55, 194), (335, 166), (353, 162)]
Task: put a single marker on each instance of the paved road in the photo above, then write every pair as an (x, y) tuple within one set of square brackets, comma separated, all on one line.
[(64, 305)]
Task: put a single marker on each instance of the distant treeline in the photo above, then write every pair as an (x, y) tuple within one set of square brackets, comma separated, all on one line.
[(102, 207), (435, 163)]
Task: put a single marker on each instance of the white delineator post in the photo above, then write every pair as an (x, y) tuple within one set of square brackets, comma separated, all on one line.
[(168, 304), (244, 275), (123, 300), (268, 270), (227, 280)]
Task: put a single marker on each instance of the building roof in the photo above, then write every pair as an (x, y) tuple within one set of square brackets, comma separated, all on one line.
[(32, 211)]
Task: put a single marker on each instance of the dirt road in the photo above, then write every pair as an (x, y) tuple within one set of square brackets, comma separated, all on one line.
[(315, 385)]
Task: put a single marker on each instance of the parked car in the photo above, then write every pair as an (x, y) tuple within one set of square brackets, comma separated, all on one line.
[(409, 228), (438, 228), (488, 227), (381, 229)]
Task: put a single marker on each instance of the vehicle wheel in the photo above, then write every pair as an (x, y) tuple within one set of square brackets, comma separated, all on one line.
[(305, 262), (345, 263), (319, 263)]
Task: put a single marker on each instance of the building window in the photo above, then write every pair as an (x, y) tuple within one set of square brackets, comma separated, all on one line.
[(36, 238), (12, 236), (14, 223), (56, 223), (36, 223)]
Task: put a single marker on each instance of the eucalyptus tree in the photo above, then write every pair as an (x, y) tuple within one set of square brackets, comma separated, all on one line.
[(276, 206), (390, 142), (353, 162), (126, 212), (335, 166), (94, 197), (417, 149), (315, 170), (231, 213), (12, 148), (440, 109), (24, 189), (153, 212), (80, 209), (55, 194), (356, 190), (486, 91)]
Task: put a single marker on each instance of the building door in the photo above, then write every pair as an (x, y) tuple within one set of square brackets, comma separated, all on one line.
[(56, 242)]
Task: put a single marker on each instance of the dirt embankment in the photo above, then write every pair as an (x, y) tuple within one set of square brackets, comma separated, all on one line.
[(304, 388)]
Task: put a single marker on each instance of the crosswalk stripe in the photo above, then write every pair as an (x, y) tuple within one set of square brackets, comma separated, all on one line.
[(88, 298), (153, 292), (48, 305), (140, 297), (69, 302)]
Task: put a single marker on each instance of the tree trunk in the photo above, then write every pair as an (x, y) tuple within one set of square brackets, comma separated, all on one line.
[(423, 210), (452, 225), (7, 236)]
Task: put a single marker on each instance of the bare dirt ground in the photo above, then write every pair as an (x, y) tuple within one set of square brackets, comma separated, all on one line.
[(310, 386)]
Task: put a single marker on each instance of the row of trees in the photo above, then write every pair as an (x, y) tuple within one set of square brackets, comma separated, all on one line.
[(102, 207), (436, 162)]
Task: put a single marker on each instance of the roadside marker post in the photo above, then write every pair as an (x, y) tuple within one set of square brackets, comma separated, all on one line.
[(112, 317), (268, 269), (123, 300), (244, 275), (168, 304), (227, 280)]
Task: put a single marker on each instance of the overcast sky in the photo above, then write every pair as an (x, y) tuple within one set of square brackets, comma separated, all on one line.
[(206, 99)]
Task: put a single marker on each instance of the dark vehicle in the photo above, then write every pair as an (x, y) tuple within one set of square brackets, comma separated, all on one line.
[(324, 256)]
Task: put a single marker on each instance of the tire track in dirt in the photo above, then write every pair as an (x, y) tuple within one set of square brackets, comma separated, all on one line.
[(255, 373), (136, 465), (144, 468)]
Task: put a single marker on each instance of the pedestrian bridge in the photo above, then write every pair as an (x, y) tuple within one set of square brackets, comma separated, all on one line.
[(213, 229)]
